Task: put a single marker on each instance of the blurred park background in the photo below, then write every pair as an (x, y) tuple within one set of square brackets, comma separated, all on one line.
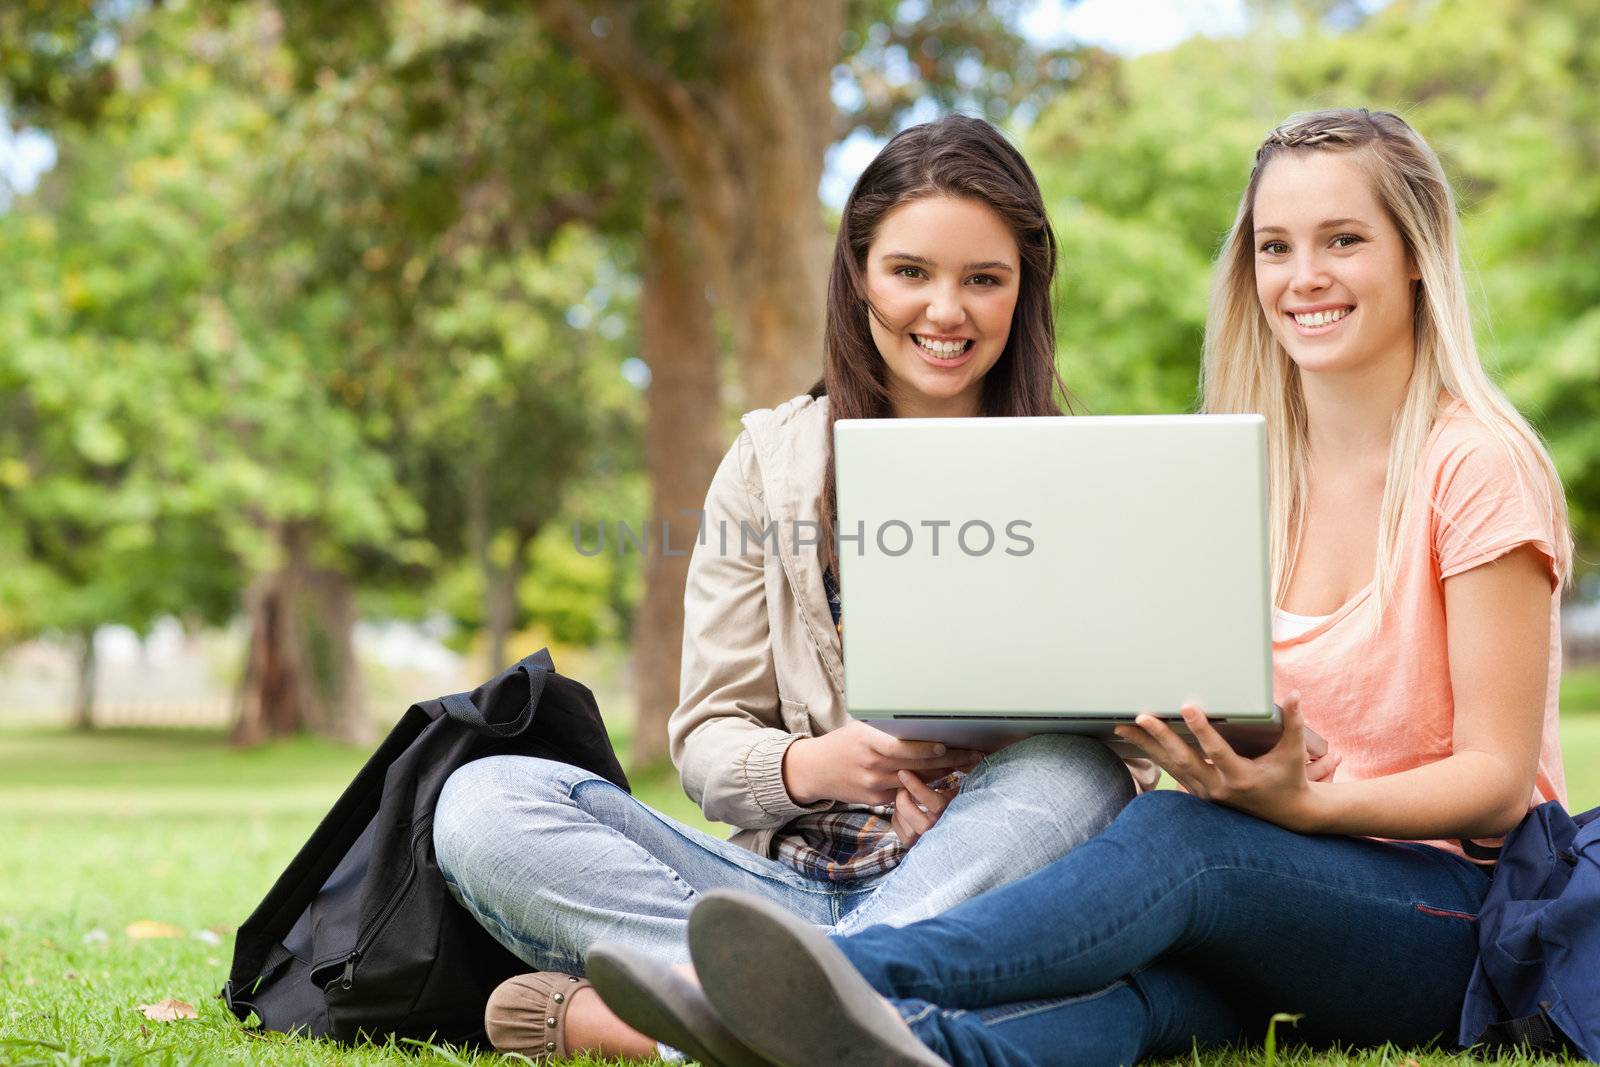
[(330, 332), (325, 327)]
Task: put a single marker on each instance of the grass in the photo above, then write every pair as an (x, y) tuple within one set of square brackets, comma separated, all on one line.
[(174, 826)]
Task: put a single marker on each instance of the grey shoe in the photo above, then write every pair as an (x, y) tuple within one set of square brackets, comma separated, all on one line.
[(786, 991), (657, 1001)]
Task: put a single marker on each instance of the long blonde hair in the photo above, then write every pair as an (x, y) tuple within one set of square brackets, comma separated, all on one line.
[(1247, 370)]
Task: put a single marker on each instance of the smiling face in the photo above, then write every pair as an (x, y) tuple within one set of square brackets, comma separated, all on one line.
[(943, 275), (1332, 272)]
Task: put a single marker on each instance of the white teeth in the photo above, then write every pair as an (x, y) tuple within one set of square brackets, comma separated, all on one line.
[(1322, 318), (944, 349)]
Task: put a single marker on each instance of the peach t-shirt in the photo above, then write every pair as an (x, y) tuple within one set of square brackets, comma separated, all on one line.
[(1382, 696)]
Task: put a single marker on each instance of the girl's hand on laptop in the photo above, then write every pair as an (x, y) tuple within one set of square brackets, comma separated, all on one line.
[(1275, 786), (860, 764)]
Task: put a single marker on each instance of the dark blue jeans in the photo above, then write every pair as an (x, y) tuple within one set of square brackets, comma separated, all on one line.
[(1187, 922)]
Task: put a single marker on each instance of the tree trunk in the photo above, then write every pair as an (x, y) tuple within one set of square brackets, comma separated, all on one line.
[(500, 590), (301, 671), (778, 79), (337, 675), (499, 601), (500, 581), (780, 327), (278, 695), (83, 698), (683, 443), (745, 145)]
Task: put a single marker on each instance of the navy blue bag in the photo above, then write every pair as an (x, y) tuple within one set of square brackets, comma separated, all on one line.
[(1537, 981)]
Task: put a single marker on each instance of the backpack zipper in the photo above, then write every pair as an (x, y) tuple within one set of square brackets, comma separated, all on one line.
[(349, 969), (347, 979)]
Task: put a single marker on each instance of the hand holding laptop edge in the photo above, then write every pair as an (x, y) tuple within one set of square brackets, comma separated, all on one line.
[(1278, 781)]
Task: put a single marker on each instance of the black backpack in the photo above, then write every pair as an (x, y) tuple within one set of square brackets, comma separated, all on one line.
[(360, 936)]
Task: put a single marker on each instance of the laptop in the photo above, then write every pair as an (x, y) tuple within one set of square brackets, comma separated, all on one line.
[(1004, 577)]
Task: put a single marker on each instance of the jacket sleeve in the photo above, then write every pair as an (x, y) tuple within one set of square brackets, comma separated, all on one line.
[(726, 736)]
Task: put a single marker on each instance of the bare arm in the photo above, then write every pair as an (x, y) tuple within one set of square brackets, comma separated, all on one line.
[(1498, 618)]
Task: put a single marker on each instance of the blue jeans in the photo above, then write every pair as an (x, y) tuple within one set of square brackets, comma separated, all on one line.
[(1186, 922), (551, 859)]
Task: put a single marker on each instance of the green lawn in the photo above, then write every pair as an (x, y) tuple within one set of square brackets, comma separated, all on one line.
[(175, 827)]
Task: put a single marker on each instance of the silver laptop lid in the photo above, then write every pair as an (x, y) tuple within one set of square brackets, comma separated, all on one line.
[(1054, 566)]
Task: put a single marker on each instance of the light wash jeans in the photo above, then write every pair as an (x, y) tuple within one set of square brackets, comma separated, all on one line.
[(551, 859)]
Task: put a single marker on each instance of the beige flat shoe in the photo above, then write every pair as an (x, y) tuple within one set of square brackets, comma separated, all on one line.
[(528, 1014)]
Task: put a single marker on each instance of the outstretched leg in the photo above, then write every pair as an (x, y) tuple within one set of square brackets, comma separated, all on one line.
[(1337, 928)]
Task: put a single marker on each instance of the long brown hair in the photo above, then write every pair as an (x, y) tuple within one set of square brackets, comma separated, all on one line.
[(956, 156)]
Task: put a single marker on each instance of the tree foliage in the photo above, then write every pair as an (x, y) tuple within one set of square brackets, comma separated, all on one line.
[(348, 314), (1143, 163), (349, 289)]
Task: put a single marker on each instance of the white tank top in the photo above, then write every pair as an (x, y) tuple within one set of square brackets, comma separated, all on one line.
[(1286, 625)]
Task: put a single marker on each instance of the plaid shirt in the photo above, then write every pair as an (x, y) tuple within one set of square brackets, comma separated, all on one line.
[(841, 846), (852, 843)]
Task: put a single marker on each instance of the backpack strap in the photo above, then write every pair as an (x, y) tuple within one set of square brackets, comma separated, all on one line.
[(238, 999), (460, 707), (1535, 1032)]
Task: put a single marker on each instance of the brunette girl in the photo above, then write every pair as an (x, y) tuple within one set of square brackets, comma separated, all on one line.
[(938, 306)]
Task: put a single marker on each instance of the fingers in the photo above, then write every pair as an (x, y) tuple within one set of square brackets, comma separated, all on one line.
[(910, 822), (1294, 727), (878, 796), (878, 786), (917, 806), (898, 824), (1174, 755), (1213, 744), (1321, 769), (1135, 736), (1315, 744), (956, 759), (919, 754), (1172, 751), (899, 749), (923, 794)]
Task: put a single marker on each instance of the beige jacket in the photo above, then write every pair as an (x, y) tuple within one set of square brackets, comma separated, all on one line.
[(762, 664)]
